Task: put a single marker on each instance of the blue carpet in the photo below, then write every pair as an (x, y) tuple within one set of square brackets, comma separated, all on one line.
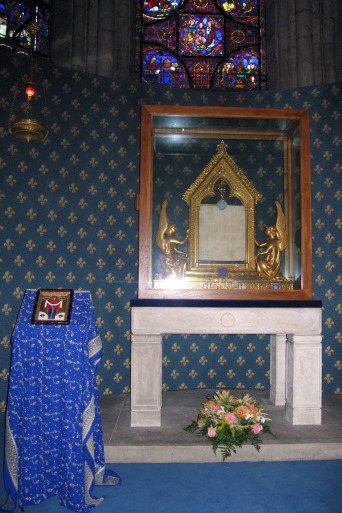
[(262, 487)]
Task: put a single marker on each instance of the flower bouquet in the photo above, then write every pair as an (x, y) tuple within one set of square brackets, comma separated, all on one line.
[(229, 422)]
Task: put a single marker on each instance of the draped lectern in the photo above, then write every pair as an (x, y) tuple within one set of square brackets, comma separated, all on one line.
[(54, 443)]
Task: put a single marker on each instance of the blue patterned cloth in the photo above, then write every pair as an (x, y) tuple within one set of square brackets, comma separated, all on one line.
[(54, 443)]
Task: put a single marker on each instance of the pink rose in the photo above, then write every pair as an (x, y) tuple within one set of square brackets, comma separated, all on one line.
[(216, 407), (211, 432), (256, 428), (230, 418)]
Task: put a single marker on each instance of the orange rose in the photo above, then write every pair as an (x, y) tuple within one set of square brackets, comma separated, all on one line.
[(241, 412), (254, 411), (209, 404)]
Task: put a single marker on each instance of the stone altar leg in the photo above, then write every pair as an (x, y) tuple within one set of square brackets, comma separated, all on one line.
[(303, 379), (277, 369), (146, 380)]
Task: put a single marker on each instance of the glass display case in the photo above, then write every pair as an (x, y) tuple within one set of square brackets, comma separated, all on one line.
[(224, 203)]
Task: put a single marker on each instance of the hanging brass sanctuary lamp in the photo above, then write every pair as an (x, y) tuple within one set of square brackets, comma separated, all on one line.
[(23, 124)]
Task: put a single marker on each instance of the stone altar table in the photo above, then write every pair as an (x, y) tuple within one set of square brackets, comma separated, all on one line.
[(295, 328)]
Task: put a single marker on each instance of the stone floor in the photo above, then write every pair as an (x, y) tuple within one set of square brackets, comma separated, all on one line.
[(170, 443)]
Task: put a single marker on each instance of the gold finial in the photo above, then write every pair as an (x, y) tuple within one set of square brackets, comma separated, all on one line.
[(222, 147)]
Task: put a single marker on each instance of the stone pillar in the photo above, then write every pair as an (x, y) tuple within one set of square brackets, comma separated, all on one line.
[(61, 33), (124, 41), (92, 19), (79, 35), (328, 42), (304, 368), (95, 36), (304, 42), (277, 369), (146, 380), (285, 32), (304, 47), (105, 38)]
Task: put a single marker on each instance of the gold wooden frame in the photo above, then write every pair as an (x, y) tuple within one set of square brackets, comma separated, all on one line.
[(297, 118), (221, 167)]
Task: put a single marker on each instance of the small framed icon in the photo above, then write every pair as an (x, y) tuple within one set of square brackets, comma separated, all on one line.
[(52, 306)]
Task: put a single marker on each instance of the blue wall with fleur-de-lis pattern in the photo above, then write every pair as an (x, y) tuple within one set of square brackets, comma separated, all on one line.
[(68, 221)]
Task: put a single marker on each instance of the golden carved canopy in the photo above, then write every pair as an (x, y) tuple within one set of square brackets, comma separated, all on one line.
[(220, 174)]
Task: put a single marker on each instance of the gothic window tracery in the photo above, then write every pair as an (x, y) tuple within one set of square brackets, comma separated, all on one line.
[(202, 44)]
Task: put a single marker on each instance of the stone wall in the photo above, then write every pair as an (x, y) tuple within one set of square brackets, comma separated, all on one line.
[(304, 46), (303, 42)]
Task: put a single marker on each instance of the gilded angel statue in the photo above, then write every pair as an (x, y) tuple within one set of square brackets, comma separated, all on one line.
[(269, 264), (174, 259)]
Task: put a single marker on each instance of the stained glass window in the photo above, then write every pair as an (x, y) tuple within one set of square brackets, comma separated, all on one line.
[(202, 44), (14, 21)]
